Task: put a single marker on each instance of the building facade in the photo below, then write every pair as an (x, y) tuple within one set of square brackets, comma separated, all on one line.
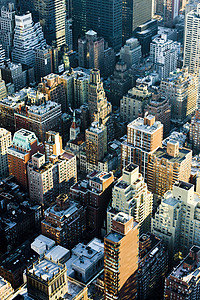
[(5, 142)]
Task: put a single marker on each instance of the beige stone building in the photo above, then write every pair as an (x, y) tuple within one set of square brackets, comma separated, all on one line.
[(133, 103), (131, 196), (6, 290), (177, 220)]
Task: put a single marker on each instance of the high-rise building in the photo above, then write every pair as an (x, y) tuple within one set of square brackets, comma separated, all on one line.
[(181, 88), (27, 38), (99, 108), (52, 86), (131, 53), (152, 265), (24, 145), (184, 281), (132, 105), (160, 108), (64, 222), (134, 14), (7, 24), (177, 219), (131, 196), (105, 17), (94, 193), (5, 142), (78, 21), (96, 143), (13, 73), (52, 144), (48, 179), (39, 118), (144, 136), (194, 133), (164, 55), (168, 165), (3, 90), (191, 41), (120, 82), (121, 259), (168, 10), (43, 62)]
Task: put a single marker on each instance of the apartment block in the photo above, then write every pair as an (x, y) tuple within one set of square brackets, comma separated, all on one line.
[(184, 281), (5, 142), (24, 145), (121, 258), (144, 136), (130, 196), (64, 222), (168, 165), (132, 104), (48, 179), (177, 219), (53, 144), (131, 52)]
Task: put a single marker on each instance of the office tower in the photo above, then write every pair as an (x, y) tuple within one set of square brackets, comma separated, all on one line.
[(194, 133), (144, 33), (91, 51), (78, 21), (121, 259), (24, 145), (131, 196), (49, 178), (166, 166), (74, 129), (5, 142), (105, 17), (2, 55), (64, 222), (181, 88), (52, 144), (53, 87), (131, 53), (144, 136), (168, 10), (120, 82), (132, 104), (164, 55), (96, 143), (160, 108), (43, 62), (7, 24), (75, 83), (95, 197), (27, 38), (152, 265), (39, 118), (134, 14), (99, 108), (176, 220), (184, 281), (13, 73), (68, 34)]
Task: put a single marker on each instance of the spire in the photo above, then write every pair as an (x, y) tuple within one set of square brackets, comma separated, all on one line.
[(74, 125)]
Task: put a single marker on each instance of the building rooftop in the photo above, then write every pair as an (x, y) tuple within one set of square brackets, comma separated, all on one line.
[(57, 253), (45, 269), (23, 139), (183, 185), (161, 153), (170, 201), (114, 237), (138, 124)]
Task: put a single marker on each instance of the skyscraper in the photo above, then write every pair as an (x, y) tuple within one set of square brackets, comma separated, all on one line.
[(27, 38), (7, 24), (5, 142), (168, 9), (121, 259)]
